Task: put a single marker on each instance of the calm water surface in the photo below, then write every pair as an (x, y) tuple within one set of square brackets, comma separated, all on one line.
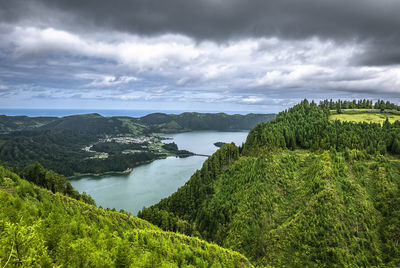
[(149, 183)]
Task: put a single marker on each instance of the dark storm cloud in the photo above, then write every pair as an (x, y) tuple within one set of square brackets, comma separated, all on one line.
[(220, 19), (385, 51), (375, 22)]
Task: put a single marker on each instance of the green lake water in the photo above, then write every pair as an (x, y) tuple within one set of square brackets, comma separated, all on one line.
[(149, 183)]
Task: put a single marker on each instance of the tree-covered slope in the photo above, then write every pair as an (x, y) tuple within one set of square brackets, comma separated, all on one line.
[(18, 123), (60, 143), (40, 228), (95, 124), (303, 191)]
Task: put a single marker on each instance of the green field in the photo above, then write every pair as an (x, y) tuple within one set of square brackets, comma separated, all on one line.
[(365, 117)]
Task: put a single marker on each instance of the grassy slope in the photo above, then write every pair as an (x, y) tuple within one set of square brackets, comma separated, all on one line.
[(41, 228), (365, 117)]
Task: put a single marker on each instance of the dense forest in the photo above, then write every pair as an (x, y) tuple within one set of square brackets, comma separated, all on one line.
[(17, 123), (358, 104), (57, 143), (302, 191), (42, 228)]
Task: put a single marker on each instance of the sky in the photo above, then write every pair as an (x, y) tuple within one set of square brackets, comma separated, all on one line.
[(204, 55)]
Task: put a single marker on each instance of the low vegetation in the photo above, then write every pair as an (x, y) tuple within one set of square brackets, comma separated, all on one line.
[(368, 117)]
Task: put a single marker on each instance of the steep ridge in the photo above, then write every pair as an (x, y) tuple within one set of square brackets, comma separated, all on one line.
[(41, 229), (303, 191)]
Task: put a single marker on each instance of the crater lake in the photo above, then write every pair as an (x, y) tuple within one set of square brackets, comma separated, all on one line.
[(149, 183)]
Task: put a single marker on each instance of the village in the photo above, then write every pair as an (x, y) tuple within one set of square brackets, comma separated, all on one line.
[(147, 143)]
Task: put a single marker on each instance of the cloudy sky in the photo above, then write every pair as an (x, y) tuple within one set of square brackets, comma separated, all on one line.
[(218, 55)]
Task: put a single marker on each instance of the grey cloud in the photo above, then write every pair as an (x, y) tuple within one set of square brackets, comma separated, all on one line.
[(218, 19), (376, 22), (381, 52), (337, 36)]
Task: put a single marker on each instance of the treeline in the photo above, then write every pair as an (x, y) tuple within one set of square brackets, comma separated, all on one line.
[(358, 104), (42, 229), (307, 126), (52, 181)]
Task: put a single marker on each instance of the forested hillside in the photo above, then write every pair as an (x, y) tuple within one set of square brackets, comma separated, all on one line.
[(17, 123), (171, 123), (304, 191), (40, 228), (74, 145), (96, 124)]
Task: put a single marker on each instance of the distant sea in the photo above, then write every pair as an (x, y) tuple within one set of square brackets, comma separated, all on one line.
[(67, 112)]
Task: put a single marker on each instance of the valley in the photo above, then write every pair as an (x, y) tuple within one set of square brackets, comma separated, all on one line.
[(302, 190)]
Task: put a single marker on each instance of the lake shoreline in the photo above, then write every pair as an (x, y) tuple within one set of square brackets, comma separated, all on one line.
[(126, 171), (130, 169), (148, 183)]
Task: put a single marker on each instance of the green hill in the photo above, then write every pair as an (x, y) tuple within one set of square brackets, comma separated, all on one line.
[(95, 124), (171, 123), (18, 123), (40, 228), (59, 143), (304, 191)]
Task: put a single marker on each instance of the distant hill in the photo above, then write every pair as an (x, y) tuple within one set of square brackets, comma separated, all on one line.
[(18, 123), (58, 143), (159, 122), (93, 124), (96, 124)]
